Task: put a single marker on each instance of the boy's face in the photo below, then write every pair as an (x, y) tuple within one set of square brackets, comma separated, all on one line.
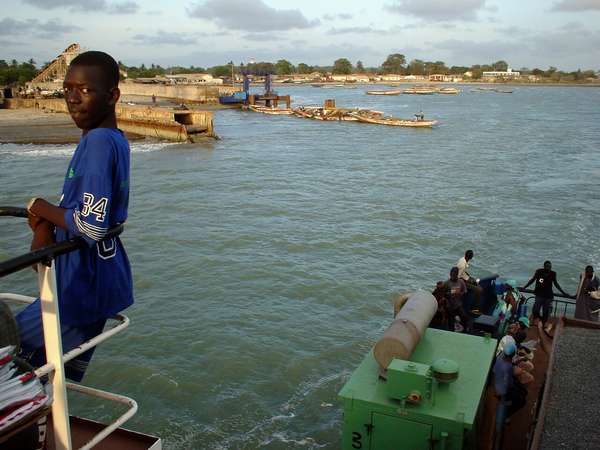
[(89, 99)]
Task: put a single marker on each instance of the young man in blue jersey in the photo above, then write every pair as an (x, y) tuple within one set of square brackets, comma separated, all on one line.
[(93, 283)]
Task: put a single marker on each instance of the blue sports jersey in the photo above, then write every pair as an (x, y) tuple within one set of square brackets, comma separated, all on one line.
[(95, 282)]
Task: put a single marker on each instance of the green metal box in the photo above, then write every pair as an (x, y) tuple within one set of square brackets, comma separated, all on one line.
[(412, 410)]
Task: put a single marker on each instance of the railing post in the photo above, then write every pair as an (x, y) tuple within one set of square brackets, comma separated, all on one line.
[(53, 340)]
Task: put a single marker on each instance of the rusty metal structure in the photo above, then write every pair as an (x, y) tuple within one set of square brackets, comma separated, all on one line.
[(57, 69)]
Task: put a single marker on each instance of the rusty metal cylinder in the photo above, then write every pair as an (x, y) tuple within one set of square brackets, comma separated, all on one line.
[(405, 332)]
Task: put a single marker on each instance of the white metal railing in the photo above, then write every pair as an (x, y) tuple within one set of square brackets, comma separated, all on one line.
[(55, 358)]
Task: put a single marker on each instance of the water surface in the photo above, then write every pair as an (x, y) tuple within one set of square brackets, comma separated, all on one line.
[(265, 263)]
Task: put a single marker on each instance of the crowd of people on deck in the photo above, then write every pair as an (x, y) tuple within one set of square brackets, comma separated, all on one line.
[(513, 366)]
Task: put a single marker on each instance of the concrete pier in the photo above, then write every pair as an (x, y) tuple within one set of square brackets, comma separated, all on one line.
[(161, 123)]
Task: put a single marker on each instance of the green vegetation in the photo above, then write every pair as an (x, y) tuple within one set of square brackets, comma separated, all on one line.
[(396, 63), (342, 66), (13, 72)]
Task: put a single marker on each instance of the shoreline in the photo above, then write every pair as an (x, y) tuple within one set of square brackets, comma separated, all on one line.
[(39, 127), (450, 83)]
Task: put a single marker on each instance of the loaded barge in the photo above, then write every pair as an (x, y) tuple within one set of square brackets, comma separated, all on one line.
[(423, 388)]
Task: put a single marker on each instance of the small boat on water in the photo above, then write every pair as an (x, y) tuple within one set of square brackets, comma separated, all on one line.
[(420, 90), (271, 110), (396, 122), (385, 92), (504, 91), (449, 90)]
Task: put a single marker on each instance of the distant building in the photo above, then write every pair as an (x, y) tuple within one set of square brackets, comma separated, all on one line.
[(392, 77), (500, 74), (437, 77), (193, 78)]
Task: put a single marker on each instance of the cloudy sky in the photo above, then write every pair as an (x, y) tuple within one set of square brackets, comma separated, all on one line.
[(531, 33)]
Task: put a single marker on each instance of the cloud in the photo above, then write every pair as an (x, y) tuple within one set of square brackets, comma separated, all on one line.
[(356, 30), (117, 7), (512, 31), (165, 38), (126, 7), (45, 30), (341, 16), (560, 48), (438, 10), (260, 37), (576, 5), (253, 17)]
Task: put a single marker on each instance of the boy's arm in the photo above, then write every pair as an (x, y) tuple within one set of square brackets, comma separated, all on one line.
[(43, 235), (40, 208)]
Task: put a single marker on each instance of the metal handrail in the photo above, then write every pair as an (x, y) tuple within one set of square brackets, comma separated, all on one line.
[(557, 301), (52, 335), (43, 254)]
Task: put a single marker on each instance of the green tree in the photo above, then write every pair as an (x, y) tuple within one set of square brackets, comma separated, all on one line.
[(437, 67), (416, 67), (220, 71), (550, 72), (589, 74), (394, 64), (262, 68), (359, 67), (500, 66), (342, 67), (458, 70), (304, 68), (284, 67)]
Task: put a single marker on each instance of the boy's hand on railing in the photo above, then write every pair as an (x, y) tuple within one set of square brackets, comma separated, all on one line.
[(43, 235)]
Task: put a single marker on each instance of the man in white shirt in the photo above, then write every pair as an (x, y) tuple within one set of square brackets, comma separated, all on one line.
[(463, 265)]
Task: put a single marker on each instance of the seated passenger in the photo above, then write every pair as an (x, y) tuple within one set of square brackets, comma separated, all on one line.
[(470, 282), (522, 360), (512, 395), (440, 319), (508, 338), (505, 307), (454, 291)]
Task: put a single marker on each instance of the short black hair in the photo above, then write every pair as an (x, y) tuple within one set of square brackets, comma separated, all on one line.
[(469, 254), (589, 268), (520, 336), (105, 62)]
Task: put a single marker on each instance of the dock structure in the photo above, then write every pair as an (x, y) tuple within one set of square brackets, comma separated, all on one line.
[(57, 69), (269, 100), (179, 125)]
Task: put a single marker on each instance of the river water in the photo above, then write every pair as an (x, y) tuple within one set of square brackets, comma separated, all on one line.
[(265, 263)]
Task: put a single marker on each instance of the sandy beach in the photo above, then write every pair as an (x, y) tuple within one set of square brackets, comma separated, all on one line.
[(36, 126)]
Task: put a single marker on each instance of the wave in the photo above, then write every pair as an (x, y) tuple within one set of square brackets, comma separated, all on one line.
[(66, 150)]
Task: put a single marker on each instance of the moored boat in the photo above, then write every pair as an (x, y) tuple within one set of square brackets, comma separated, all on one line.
[(271, 110), (385, 92), (395, 122), (448, 90), (419, 91)]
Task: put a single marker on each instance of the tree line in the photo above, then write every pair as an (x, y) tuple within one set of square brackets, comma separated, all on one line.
[(396, 63), (16, 73)]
